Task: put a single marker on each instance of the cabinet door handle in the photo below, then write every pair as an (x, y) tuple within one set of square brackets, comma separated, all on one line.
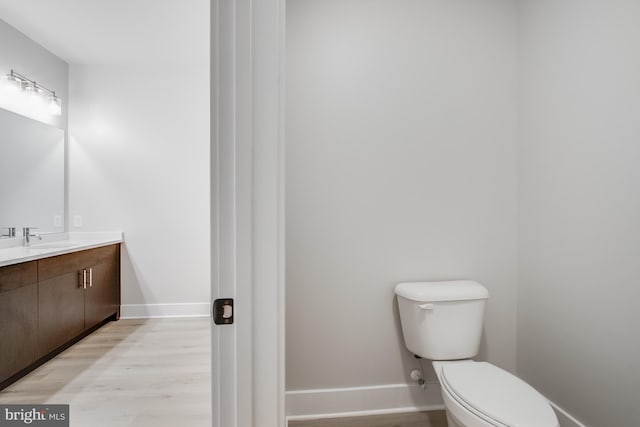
[(84, 278), (91, 277)]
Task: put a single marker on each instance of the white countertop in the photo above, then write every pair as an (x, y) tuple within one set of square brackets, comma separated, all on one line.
[(13, 251)]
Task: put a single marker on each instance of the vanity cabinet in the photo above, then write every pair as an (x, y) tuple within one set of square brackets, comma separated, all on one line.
[(18, 317), (76, 292), (48, 303)]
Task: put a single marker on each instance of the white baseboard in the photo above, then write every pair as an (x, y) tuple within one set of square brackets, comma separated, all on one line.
[(147, 311), (375, 400), (359, 401), (564, 418)]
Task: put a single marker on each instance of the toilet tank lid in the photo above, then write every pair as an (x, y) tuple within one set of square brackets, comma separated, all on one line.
[(450, 290)]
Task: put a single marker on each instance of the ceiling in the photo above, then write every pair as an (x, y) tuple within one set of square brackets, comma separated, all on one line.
[(115, 32)]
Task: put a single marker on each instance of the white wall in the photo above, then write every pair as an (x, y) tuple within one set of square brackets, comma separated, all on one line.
[(579, 207), (139, 162), (401, 155)]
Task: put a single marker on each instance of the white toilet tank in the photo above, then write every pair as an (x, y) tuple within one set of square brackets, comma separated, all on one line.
[(442, 320)]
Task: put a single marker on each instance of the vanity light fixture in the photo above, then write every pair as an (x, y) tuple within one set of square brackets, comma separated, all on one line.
[(33, 95)]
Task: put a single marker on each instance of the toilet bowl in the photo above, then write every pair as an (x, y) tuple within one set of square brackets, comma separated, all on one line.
[(479, 394), (442, 321)]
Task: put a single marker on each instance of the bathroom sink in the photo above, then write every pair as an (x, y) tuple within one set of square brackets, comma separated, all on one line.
[(63, 244)]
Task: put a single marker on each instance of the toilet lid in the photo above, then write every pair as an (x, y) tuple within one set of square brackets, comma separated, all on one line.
[(498, 395)]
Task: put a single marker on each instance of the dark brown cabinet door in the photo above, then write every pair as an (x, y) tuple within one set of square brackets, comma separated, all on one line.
[(18, 317), (102, 297), (60, 302)]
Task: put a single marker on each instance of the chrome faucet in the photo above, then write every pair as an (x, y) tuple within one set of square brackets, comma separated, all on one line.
[(26, 233), (11, 232)]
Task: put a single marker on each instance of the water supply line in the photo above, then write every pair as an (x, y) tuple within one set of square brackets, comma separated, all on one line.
[(417, 375)]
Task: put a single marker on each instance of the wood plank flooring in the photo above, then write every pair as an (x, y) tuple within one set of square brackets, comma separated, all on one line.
[(155, 372), (416, 419), (130, 373)]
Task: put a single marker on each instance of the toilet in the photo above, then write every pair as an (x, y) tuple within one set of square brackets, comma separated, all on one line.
[(442, 321)]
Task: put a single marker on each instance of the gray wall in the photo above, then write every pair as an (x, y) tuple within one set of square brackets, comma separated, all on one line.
[(579, 292), (20, 53), (401, 156)]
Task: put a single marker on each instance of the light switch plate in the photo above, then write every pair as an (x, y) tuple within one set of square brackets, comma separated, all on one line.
[(57, 221), (77, 220)]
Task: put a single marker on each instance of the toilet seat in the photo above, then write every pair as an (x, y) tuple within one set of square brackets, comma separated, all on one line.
[(496, 396)]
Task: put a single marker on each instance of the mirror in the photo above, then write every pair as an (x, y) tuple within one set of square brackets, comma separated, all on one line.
[(31, 175)]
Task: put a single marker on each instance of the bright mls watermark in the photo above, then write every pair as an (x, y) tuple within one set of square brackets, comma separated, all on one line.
[(34, 415)]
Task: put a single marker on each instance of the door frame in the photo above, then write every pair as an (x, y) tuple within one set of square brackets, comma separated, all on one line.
[(248, 223)]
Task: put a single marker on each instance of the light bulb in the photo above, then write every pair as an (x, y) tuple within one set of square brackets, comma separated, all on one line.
[(12, 84), (34, 98), (55, 106)]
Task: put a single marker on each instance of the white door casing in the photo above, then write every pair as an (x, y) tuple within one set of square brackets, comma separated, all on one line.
[(247, 182)]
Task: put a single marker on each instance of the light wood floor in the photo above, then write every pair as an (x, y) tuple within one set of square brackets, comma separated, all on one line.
[(130, 373), (416, 419)]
